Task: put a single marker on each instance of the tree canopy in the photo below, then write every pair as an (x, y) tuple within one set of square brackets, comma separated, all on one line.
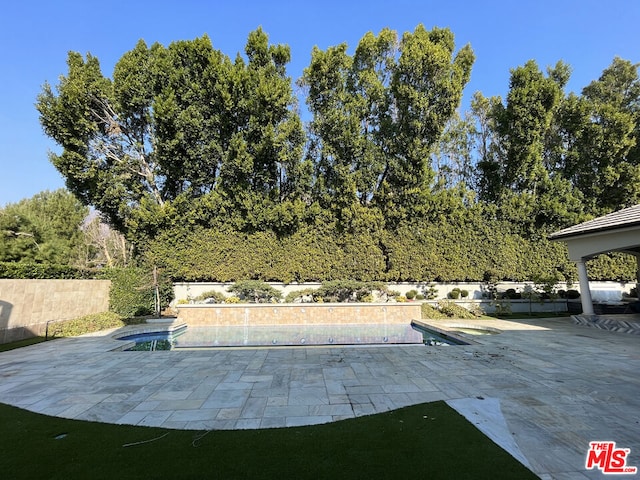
[(177, 125), (42, 229), (184, 142)]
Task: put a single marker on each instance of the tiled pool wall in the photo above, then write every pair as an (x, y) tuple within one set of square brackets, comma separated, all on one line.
[(298, 314)]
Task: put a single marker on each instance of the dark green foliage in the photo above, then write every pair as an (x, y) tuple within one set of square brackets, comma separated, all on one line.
[(133, 293), (454, 294), (26, 270), (348, 290), (43, 229), (214, 295), (411, 294), (255, 291), (572, 294), (200, 159), (178, 125), (439, 251), (511, 294)]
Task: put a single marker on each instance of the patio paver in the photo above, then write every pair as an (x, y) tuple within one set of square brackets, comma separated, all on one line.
[(542, 389)]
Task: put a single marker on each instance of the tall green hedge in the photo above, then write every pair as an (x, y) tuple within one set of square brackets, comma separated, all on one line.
[(132, 291), (25, 270), (468, 251)]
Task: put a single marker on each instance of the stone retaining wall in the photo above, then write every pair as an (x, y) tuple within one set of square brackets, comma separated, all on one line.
[(298, 314), (26, 306)]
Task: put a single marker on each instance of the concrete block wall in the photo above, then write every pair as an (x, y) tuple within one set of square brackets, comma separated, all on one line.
[(26, 306), (298, 314)]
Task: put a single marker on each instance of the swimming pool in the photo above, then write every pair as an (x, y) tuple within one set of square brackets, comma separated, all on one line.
[(288, 336)]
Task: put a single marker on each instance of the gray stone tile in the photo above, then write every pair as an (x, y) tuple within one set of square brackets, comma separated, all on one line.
[(254, 408), (226, 399), (559, 386), (229, 414), (287, 411), (307, 420), (308, 396), (199, 414), (273, 422)]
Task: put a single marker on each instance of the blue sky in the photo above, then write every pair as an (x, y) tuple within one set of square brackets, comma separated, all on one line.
[(35, 37)]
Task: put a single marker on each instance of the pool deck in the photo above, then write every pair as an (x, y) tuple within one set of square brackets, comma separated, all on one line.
[(542, 389)]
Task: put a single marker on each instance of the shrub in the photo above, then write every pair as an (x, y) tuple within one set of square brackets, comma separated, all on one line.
[(232, 300), (255, 291), (431, 292), (573, 294), (454, 294), (431, 312), (452, 310), (464, 293), (214, 295), (348, 290), (419, 297), (411, 294), (296, 295), (87, 324), (131, 292), (512, 294)]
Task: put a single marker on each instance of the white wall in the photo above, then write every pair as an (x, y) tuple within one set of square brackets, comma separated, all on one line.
[(600, 291)]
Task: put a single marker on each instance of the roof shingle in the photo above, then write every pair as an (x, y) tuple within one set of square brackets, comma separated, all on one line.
[(626, 217)]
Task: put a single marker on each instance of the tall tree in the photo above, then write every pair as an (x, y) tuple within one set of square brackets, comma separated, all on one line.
[(42, 229), (517, 172), (452, 156), (524, 121), (176, 125), (377, 114), (600, 132), (486, 146)]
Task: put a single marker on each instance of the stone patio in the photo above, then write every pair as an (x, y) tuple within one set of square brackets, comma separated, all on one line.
[(542, 389)]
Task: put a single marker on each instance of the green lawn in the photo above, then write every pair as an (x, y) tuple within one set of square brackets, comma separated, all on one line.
[(429, 441), (4, 347)]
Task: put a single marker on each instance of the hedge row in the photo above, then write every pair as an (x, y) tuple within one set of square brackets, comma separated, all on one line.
[(37, 271), (436, 252)]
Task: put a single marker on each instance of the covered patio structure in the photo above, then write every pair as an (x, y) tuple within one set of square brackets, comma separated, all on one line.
[(616, 232)]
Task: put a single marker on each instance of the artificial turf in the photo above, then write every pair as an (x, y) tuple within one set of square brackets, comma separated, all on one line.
[(430, 441), (5, 347)]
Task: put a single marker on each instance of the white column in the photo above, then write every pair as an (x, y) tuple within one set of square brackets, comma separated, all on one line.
[(638, 275), (585, 293)]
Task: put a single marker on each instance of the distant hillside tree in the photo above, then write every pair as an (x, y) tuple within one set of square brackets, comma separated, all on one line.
[(42, 229)]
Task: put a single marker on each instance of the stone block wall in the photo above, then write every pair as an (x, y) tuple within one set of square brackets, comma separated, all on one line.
[(26, 306), (298, 314)]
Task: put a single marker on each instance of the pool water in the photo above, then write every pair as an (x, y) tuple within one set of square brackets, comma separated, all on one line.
[(288, 336)]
